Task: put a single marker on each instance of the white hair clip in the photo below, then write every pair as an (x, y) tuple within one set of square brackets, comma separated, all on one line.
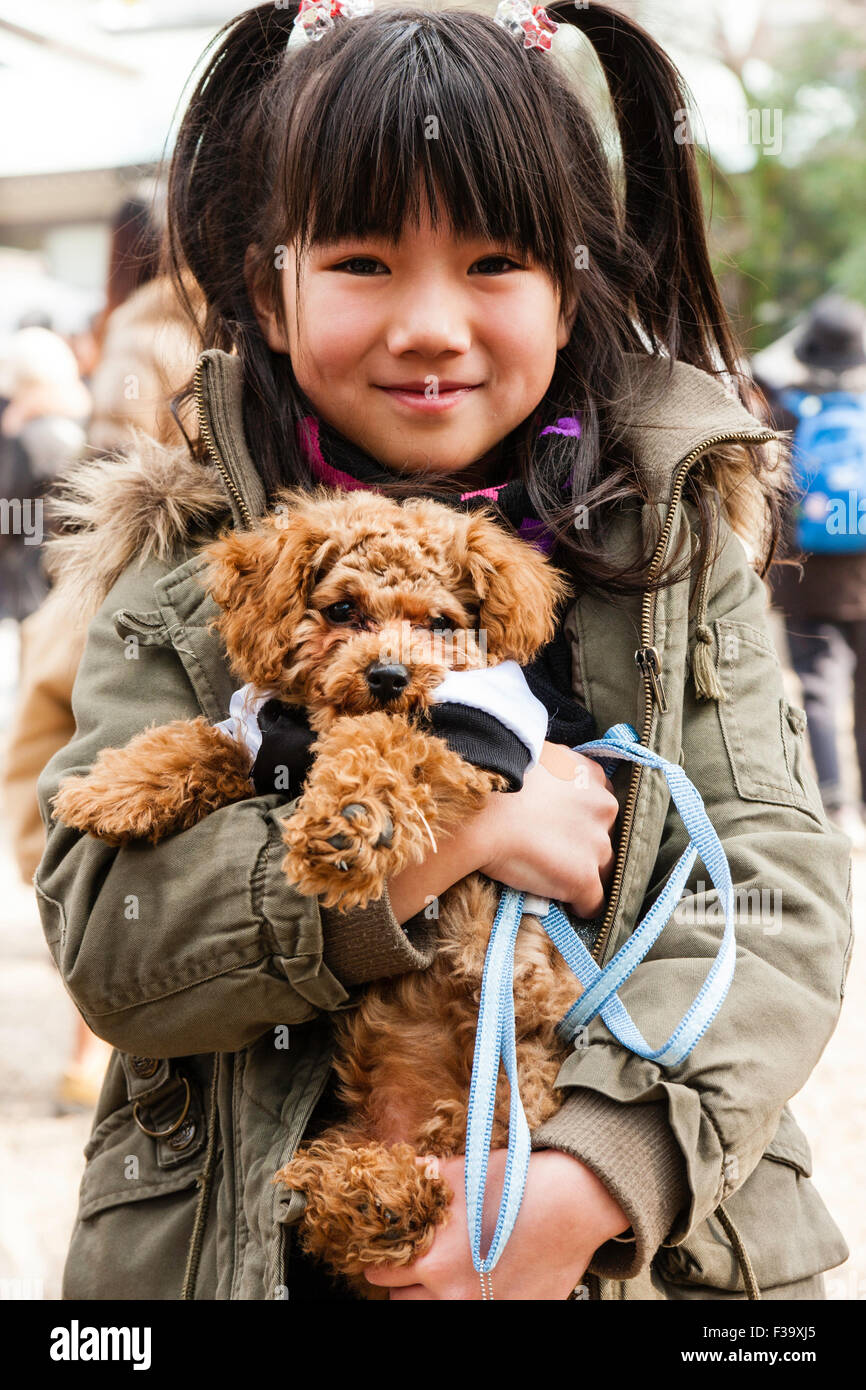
[(530, 24), (315, 18)]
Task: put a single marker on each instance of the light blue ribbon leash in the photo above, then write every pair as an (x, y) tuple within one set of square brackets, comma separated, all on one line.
[(495, 1038)]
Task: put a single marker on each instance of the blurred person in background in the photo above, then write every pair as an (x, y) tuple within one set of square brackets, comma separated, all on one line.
[(42, 431), (814, 379), (147, 351), (86, 345)]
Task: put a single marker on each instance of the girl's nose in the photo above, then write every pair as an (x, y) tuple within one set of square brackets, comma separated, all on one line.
[(430, 323)]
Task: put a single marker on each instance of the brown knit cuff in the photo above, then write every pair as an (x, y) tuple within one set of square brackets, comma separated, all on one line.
[(632, 1150), (369, 943)]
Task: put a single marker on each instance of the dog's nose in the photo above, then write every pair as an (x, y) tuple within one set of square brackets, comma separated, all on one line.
[(386, 682)]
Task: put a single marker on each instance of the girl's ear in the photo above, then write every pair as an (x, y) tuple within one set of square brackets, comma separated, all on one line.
[(518, 589), (263, 580), (566, 322), (266, 317)]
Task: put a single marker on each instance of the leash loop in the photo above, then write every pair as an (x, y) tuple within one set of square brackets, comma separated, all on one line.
[(495, 1036)]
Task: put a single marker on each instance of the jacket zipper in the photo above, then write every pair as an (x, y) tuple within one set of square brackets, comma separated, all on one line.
[(647, 659), (204, 427)]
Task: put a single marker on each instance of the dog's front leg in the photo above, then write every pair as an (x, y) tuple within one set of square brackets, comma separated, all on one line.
[(166, 779), (378, 794)]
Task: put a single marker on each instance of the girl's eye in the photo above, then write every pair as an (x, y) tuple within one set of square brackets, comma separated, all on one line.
[(353, 262), (500, 260), (356, 261), (341, 612)]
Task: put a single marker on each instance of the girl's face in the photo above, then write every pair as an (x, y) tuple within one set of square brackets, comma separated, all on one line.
[(470, 330)]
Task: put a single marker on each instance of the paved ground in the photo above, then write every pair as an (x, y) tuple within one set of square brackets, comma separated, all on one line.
[(40, 1153)]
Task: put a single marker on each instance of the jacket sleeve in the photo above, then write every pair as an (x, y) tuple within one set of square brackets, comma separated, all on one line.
[(197, 944), (790, 869)]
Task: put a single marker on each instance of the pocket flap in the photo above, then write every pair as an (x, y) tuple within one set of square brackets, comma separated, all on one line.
[(123, 1166)]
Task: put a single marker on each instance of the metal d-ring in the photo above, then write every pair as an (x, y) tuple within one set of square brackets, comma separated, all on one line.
[(164, 1133)]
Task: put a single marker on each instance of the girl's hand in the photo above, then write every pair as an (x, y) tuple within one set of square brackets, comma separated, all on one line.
[(552, 838), (566, 1214)]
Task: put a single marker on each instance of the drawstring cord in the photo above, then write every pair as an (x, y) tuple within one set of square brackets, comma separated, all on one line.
[(206, 1181), (742, 1254)]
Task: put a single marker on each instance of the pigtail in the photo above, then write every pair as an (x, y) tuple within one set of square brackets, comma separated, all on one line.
[(677, 305), (213, 145), (220, 191)]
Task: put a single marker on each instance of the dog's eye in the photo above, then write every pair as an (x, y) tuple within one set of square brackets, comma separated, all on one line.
[(440, 621), (341, 612)]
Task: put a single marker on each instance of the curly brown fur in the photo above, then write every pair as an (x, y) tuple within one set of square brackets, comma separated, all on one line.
[(380, 786), (166, 779), (367, 1203), (404, 1056), (398, 786), (403, 1059), (403, 564)]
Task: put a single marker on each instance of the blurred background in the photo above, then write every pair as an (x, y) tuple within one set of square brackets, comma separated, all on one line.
[(90, 94)]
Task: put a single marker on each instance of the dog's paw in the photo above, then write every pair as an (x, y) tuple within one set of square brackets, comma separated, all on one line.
[(109, 813), (344, 857), (366, 1204)]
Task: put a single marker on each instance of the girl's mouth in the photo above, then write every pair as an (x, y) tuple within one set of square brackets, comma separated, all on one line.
[(430, 405)]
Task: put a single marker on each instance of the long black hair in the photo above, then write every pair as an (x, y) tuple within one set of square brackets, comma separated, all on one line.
[(331, 140)]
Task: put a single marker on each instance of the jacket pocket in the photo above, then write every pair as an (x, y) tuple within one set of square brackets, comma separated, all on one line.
[(134, 1217), (785, 1227), (767, 763)]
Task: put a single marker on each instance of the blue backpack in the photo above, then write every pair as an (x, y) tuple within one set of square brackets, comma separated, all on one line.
[(829, 464)]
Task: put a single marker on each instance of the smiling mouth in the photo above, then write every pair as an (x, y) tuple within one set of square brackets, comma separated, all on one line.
[(422, 390), (418, 400)]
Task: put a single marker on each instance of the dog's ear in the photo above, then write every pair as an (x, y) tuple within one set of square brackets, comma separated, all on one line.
[(519, 590), (262, 579)]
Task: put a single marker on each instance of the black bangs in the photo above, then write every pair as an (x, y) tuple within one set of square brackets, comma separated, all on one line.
[(386, 129)]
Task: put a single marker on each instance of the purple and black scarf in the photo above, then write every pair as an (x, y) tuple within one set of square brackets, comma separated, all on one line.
[(338, 462)]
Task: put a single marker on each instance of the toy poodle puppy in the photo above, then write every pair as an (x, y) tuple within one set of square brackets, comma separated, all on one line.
[(347, 606)]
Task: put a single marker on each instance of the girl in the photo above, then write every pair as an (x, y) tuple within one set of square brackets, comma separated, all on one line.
[(416, 203)]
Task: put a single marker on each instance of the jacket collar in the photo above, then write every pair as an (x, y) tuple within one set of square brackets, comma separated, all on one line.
[(669, 412)]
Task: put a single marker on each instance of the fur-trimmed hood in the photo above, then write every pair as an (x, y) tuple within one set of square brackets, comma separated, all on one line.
[(156, 500), (146, 504)]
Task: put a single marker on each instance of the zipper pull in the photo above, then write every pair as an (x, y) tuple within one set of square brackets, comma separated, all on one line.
[(647, 658)]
